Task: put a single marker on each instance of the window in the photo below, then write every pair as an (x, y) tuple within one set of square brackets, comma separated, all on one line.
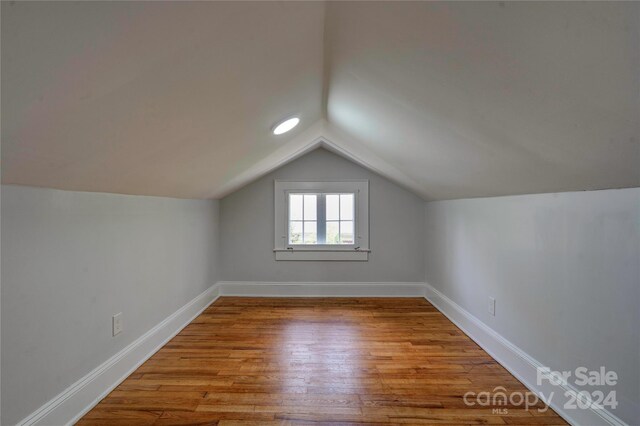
[(303, 219), (322, 220), (340, 218)]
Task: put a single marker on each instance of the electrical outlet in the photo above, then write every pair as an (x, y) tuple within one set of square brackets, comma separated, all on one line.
[(492, 306), (117, 323)]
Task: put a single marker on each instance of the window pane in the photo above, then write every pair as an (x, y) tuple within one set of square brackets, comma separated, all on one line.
[(310, 201), (332, 232), (346, 206), (333, 207), (310, 233), (295, 207), (346, 232), (295, 232)]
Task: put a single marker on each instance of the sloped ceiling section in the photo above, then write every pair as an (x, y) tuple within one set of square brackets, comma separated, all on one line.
[(153, 98), (451, 100), (320, 135), (478, 99)]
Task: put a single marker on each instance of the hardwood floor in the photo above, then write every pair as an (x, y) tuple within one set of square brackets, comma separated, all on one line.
[(333, 360)]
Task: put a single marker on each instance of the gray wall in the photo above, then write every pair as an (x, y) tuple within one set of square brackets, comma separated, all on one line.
[(70, 260), (396, 223), (564, 269)]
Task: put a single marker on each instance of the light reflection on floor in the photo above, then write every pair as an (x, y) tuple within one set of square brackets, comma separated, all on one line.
[(321, 353)]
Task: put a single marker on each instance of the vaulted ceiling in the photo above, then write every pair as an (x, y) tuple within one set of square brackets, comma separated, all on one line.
[(451, 100)]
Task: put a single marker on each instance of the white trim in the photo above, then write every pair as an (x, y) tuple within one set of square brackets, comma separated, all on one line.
[(75, 401), (70, 405), (523, 366), (323, 255), (358, 251), (320, 289)]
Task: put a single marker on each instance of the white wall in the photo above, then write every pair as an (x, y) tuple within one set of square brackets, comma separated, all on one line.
[(70, 260), (564, 269), (396, 224)]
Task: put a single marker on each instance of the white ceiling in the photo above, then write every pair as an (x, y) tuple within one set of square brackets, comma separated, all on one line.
[(154, 98), (451, 100), (480, 99)]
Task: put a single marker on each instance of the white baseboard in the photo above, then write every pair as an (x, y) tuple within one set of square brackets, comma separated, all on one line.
[(319, 289), (519, 363), (79, 398), (75, 401)]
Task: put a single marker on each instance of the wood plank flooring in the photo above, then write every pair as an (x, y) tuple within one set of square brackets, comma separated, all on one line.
[(308, 361)]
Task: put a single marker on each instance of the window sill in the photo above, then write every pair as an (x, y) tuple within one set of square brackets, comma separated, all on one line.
[(323, 255)]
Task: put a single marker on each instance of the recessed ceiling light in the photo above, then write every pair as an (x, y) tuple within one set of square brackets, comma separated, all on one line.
[(286, 125)]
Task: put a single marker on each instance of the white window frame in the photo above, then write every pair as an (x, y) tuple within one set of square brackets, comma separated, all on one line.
[(359, 251)]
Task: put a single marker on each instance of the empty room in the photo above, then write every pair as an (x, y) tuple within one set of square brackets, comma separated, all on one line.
[(320, 212)]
